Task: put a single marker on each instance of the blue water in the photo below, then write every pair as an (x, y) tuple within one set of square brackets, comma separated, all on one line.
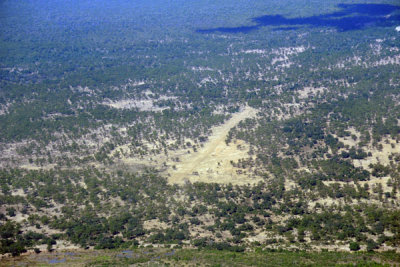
[(69, 254), (126, 254), (54, 261), (170, 253)]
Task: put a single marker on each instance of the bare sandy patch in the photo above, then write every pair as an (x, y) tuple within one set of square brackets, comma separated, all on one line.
[(65, 245), (201, 69), (33, 167), (379, 155), (255, 51), (143, 105), (283, 54), (289, 50), (348, 140), (261, 237), (392, 60), (310, 91), (212, 162), (154, 224)]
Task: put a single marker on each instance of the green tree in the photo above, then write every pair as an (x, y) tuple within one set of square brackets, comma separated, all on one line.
[(354, 246)]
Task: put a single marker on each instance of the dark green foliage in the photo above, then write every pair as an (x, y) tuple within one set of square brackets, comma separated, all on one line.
[(10, 242), (341, 170), (240, 210), (371, 245), (354, 246), (378, 170)]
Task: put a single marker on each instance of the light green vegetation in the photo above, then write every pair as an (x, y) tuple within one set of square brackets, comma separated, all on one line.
[(189, 257)]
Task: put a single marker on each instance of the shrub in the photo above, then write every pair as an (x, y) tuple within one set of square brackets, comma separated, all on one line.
[(354, 246)]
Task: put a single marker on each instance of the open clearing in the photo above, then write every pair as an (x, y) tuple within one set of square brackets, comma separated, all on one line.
[(212, 162)]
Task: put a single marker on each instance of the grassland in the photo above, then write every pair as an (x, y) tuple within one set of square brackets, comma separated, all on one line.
[(192, 257)]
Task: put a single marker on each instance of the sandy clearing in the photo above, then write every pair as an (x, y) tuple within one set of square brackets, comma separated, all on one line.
[(212, 162), (310, 91), (141, 104), (388, 145), (154, 224)]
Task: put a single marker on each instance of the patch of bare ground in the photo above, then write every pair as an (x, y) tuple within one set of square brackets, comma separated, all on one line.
[(137, 162), (325, 202), (35, 167), (393, 60), (259, 236), (143, 104), (380, 153), (333, 247), (154, 224), (283, 56), (290, 184), (65, 245), (15, 154), (310, 92), (212, 161)]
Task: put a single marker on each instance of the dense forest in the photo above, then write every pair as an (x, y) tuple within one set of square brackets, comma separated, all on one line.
[(109, 110)]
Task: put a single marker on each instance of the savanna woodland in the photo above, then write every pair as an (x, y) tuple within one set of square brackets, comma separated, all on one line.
[(223, 132)]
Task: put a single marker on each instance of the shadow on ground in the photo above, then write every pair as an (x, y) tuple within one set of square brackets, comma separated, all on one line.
[(350, 17)]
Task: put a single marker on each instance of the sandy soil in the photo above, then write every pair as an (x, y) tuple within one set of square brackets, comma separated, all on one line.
[(381, 156), (154, 224), (389, 147), (212, 162), (142, 104), (310, 91), (393, 60)]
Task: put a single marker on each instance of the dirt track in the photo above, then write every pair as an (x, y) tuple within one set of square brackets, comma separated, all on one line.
[(211, 163)]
